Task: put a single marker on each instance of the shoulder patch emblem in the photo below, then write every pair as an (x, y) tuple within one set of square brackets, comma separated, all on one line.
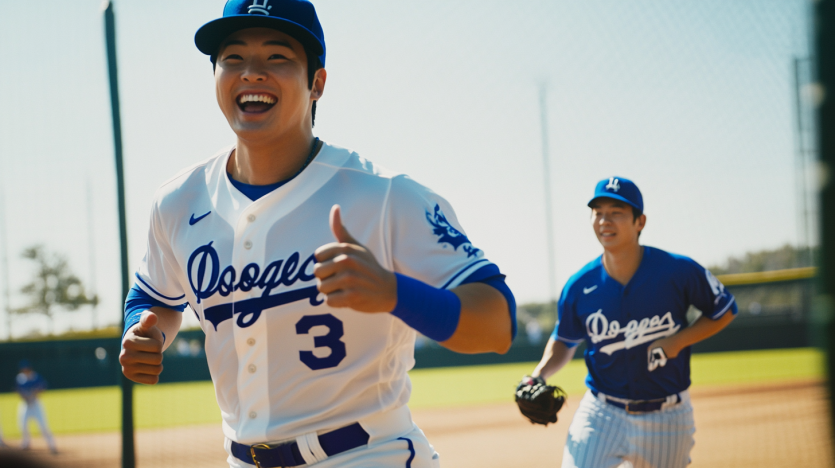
[(448, 234), (716, 286)]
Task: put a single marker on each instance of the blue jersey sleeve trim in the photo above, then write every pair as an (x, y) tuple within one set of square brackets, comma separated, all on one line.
[(568, 341), (730, 306), (139, 301), (484, 273), (138, 297), (173, 299), (461, 271), (491, 276)]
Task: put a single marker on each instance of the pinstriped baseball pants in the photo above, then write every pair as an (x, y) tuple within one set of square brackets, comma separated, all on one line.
[(604, 436)]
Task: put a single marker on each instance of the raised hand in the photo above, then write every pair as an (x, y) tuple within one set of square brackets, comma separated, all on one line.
[(141, 356), (349, 275)]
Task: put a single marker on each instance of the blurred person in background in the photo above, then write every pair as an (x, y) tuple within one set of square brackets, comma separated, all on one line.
[(29, 385)]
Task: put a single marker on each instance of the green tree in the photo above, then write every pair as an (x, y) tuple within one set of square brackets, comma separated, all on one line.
[(787, 256), (54, 286)]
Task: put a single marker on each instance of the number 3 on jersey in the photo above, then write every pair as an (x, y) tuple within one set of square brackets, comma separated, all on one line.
[(330, 340)]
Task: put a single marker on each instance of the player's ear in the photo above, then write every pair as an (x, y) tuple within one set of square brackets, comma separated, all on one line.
[(318, 88), (641, 221)]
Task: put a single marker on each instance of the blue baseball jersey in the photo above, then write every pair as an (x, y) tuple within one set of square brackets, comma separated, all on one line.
[(28, 386), (619, 322)]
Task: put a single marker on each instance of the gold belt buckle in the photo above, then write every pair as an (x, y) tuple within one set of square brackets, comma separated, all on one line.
[(252, 452)]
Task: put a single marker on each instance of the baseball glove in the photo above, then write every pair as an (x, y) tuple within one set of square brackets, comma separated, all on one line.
[(537, 401)]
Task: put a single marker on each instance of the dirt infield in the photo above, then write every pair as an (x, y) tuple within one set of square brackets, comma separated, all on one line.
[(741, 427)]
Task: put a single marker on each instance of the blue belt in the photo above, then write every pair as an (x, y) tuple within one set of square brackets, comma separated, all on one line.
[(287, 455), (640, 406)]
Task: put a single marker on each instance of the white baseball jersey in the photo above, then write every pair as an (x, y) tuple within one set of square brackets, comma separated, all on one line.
[(283, 362)]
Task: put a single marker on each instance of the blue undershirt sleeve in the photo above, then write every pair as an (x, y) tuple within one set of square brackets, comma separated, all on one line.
[(139, 301)]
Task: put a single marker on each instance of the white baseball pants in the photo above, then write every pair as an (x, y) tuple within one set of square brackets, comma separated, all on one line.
[(34, 410), (395, 442), (604, 436)]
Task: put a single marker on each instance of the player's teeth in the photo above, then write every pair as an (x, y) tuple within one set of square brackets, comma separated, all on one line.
[(256, 98)]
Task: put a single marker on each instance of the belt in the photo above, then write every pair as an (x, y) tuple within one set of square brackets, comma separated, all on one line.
[(288, 454), (639, 406)]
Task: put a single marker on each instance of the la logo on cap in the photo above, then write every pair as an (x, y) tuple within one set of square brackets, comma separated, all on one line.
[(257, 7), (613, 185)]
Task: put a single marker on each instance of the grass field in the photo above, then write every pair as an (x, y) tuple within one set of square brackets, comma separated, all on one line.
[(97, 409)]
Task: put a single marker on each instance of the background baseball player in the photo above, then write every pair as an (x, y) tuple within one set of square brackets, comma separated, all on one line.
[(29, 384), (630, 307), (308, 267)]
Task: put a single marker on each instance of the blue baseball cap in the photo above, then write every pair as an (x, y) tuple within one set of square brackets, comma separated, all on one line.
[(294, 17), (618, 188), (24, 364)]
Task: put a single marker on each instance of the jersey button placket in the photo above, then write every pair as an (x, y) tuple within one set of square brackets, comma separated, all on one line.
[(252, 384)]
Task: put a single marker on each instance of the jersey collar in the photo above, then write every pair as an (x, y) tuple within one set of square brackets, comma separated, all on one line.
[(605, 278)]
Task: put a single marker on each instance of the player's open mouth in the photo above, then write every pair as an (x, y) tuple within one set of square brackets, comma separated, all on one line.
[(256, 103)]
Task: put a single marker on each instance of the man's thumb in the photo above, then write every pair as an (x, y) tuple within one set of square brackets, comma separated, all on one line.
[(147, 321), (338, 229)]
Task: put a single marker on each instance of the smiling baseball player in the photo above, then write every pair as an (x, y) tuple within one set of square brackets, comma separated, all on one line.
[(309, 268), (630, 307)]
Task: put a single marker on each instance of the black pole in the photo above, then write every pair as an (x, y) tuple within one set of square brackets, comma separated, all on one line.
[(128, 450), (825, 52), (804, 245)]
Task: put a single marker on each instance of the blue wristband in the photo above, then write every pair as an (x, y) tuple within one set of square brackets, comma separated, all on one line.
[(431, 311)]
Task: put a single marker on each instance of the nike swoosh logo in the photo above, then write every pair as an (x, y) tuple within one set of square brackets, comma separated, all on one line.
[(588, 290), (194, 220)]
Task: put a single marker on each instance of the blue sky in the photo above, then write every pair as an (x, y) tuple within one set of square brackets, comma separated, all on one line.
[(692, 100)]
